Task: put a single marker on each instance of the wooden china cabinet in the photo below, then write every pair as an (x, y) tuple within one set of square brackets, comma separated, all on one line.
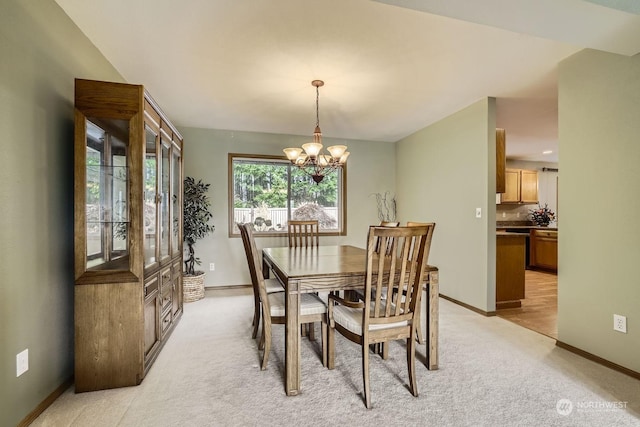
[(128, 233)]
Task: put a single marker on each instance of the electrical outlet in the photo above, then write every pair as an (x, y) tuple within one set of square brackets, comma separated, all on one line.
[(212, 266), (504, 214), (620, 323), (22, 362), (478, 212)]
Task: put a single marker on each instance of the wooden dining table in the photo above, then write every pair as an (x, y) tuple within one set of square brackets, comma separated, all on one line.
[(327, 269)]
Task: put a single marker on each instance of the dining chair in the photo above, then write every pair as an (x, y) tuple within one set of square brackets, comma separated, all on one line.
[(432, 226), (377, 319), (303, 234), (383, 349), (271, 285), (311, 309)]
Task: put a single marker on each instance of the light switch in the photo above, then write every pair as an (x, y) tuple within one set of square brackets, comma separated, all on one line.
[(478, 212)]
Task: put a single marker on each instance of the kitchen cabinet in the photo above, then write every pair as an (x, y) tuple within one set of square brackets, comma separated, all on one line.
[(510, 269), (128, 233), (500, 160), (543, 249), (521, 186)]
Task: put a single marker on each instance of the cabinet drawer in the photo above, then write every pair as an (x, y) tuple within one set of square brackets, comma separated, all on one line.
[(166, 322), (165, 276), (550, 234), (165, 302), (151, 286)]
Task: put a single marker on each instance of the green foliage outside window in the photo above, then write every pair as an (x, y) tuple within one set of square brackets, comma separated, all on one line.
[(262, 186)]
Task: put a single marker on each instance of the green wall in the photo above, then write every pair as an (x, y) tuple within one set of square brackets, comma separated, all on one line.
[(42, 52), (441, 173), (370, 169), (444, 172), (599, 134)]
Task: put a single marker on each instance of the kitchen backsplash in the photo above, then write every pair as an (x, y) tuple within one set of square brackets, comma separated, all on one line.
[(513, 212)]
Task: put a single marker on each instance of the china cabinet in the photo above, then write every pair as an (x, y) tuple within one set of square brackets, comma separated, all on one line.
[(128, 233)]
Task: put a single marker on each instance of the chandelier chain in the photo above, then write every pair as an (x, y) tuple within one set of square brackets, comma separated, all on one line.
[(317, 107)]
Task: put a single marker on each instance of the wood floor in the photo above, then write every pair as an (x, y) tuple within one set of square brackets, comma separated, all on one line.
[(539, 311)]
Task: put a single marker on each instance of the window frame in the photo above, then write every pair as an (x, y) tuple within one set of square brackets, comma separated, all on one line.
[(342, 195)]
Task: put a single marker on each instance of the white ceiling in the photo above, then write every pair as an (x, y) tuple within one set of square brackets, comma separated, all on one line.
[(390, 67)]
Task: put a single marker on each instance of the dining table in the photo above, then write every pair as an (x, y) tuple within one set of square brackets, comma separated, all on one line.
[(328, 269)]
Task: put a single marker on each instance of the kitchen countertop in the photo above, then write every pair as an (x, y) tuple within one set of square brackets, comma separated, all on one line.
[(528, 227), (510, 234)]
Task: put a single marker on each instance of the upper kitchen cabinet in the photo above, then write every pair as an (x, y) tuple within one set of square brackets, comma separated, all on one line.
[(128, 233), (521, 186), (501, 161)]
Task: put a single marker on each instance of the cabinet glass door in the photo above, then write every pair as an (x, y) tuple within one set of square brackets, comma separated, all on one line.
[(107, 192), (165, 204), (176, 214), (150, 196)]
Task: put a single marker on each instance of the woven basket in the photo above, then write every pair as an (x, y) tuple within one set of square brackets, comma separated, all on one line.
[(193, 287)]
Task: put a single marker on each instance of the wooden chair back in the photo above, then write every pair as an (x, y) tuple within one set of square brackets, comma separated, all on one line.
[(431, 225), (303, 234), (385, 275), (255, 268)]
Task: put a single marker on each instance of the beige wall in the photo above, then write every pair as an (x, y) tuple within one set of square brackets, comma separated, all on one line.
[(599, 129), (370, 169), (42, 52), (444, 172)]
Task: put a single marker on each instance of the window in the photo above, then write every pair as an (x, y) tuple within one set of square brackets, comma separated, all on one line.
[(267, 191)]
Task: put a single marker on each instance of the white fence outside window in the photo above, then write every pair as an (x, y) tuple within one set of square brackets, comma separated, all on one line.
[(278, 216)]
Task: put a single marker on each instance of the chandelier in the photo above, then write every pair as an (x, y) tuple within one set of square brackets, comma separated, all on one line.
[(313, 161)]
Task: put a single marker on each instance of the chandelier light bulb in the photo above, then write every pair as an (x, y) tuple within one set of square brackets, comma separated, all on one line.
[(337, 150), (312, 148), (292, 153)]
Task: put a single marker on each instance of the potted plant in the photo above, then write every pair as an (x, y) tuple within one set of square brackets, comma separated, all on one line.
[(195, 226), (542, 216)]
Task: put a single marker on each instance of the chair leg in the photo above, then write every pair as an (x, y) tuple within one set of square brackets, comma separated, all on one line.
[(385, 350), (411, 365), (417, 322), (323, 331), (331, 357), (365, 374), (261, 342), (267, 346), (312, 333), (256, 319)]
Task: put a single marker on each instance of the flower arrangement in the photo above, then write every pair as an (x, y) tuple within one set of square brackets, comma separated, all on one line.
[(542, 216)]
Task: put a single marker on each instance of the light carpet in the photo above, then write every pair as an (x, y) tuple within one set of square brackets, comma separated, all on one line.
[(492, 373)]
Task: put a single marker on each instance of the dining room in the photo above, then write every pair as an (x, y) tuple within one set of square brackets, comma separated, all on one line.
[(440, 169)]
